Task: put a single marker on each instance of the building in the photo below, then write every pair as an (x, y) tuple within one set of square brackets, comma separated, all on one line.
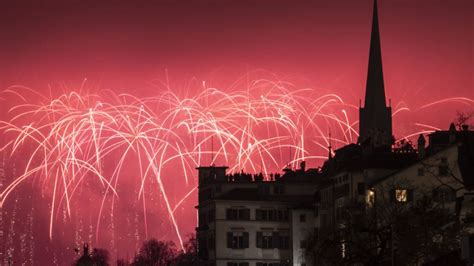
[(246, 221)]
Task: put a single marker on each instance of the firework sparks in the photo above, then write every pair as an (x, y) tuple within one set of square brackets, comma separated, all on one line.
[(74, 137)]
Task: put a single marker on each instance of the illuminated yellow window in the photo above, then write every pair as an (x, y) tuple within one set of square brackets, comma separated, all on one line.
[(401, 195), (370, 198)]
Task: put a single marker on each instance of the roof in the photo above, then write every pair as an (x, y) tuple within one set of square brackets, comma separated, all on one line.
[(354, 157), (465, 146)]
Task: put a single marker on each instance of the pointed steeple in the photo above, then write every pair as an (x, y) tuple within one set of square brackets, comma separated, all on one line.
[(375, 127), (375, 89)]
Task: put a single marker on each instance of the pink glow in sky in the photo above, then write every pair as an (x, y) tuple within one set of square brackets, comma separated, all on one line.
[(147, 49)]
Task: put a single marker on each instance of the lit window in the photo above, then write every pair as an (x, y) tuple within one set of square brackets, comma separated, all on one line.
[(401, 195), (370, 198)]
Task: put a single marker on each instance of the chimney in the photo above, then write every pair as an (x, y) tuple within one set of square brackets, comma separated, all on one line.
[(303, 166)]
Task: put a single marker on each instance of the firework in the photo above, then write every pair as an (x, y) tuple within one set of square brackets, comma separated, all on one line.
[(80, 137)]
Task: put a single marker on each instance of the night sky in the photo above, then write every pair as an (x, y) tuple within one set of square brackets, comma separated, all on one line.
[(136, 46)]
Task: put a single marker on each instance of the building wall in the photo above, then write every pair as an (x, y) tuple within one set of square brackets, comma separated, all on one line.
[(216, 229), (424, 177), (301, 230), (252, 226)]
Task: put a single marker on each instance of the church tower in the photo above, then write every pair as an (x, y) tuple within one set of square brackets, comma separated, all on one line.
[(375, 125)]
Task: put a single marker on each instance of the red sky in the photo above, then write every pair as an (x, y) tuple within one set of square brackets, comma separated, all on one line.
[(427, 48), (426, 43)]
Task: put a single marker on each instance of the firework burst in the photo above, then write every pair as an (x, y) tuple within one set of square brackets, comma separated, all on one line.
[(81, 136)]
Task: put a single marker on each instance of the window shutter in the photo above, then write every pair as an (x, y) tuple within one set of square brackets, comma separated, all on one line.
[(392, 195), (361, 188), (229, 239), (245, 214), (259, 239), (258, 214), (246, 240), (276, 240), (410, 195)]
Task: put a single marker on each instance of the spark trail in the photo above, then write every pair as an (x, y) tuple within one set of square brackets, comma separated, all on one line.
[(73, 137)]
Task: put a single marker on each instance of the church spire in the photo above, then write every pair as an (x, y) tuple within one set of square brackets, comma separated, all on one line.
[(375, 89), (375, 127)]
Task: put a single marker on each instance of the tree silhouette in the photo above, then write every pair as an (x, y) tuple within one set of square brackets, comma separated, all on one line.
[(391, 233), (155, 253), (189, 256), (98, 257)]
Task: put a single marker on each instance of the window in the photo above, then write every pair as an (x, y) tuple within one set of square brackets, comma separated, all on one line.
[(401, 195), (278, 189), (284, 241), (370, 198), (444, 194), (421, 171), (244, 214), (271, 215), (237, 214), (361, 188), (237, 240), (231, 214), (264, 189), (342, 191), (283, 263), (283, 215), (302, 218), (266, 239), (237, 264)]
